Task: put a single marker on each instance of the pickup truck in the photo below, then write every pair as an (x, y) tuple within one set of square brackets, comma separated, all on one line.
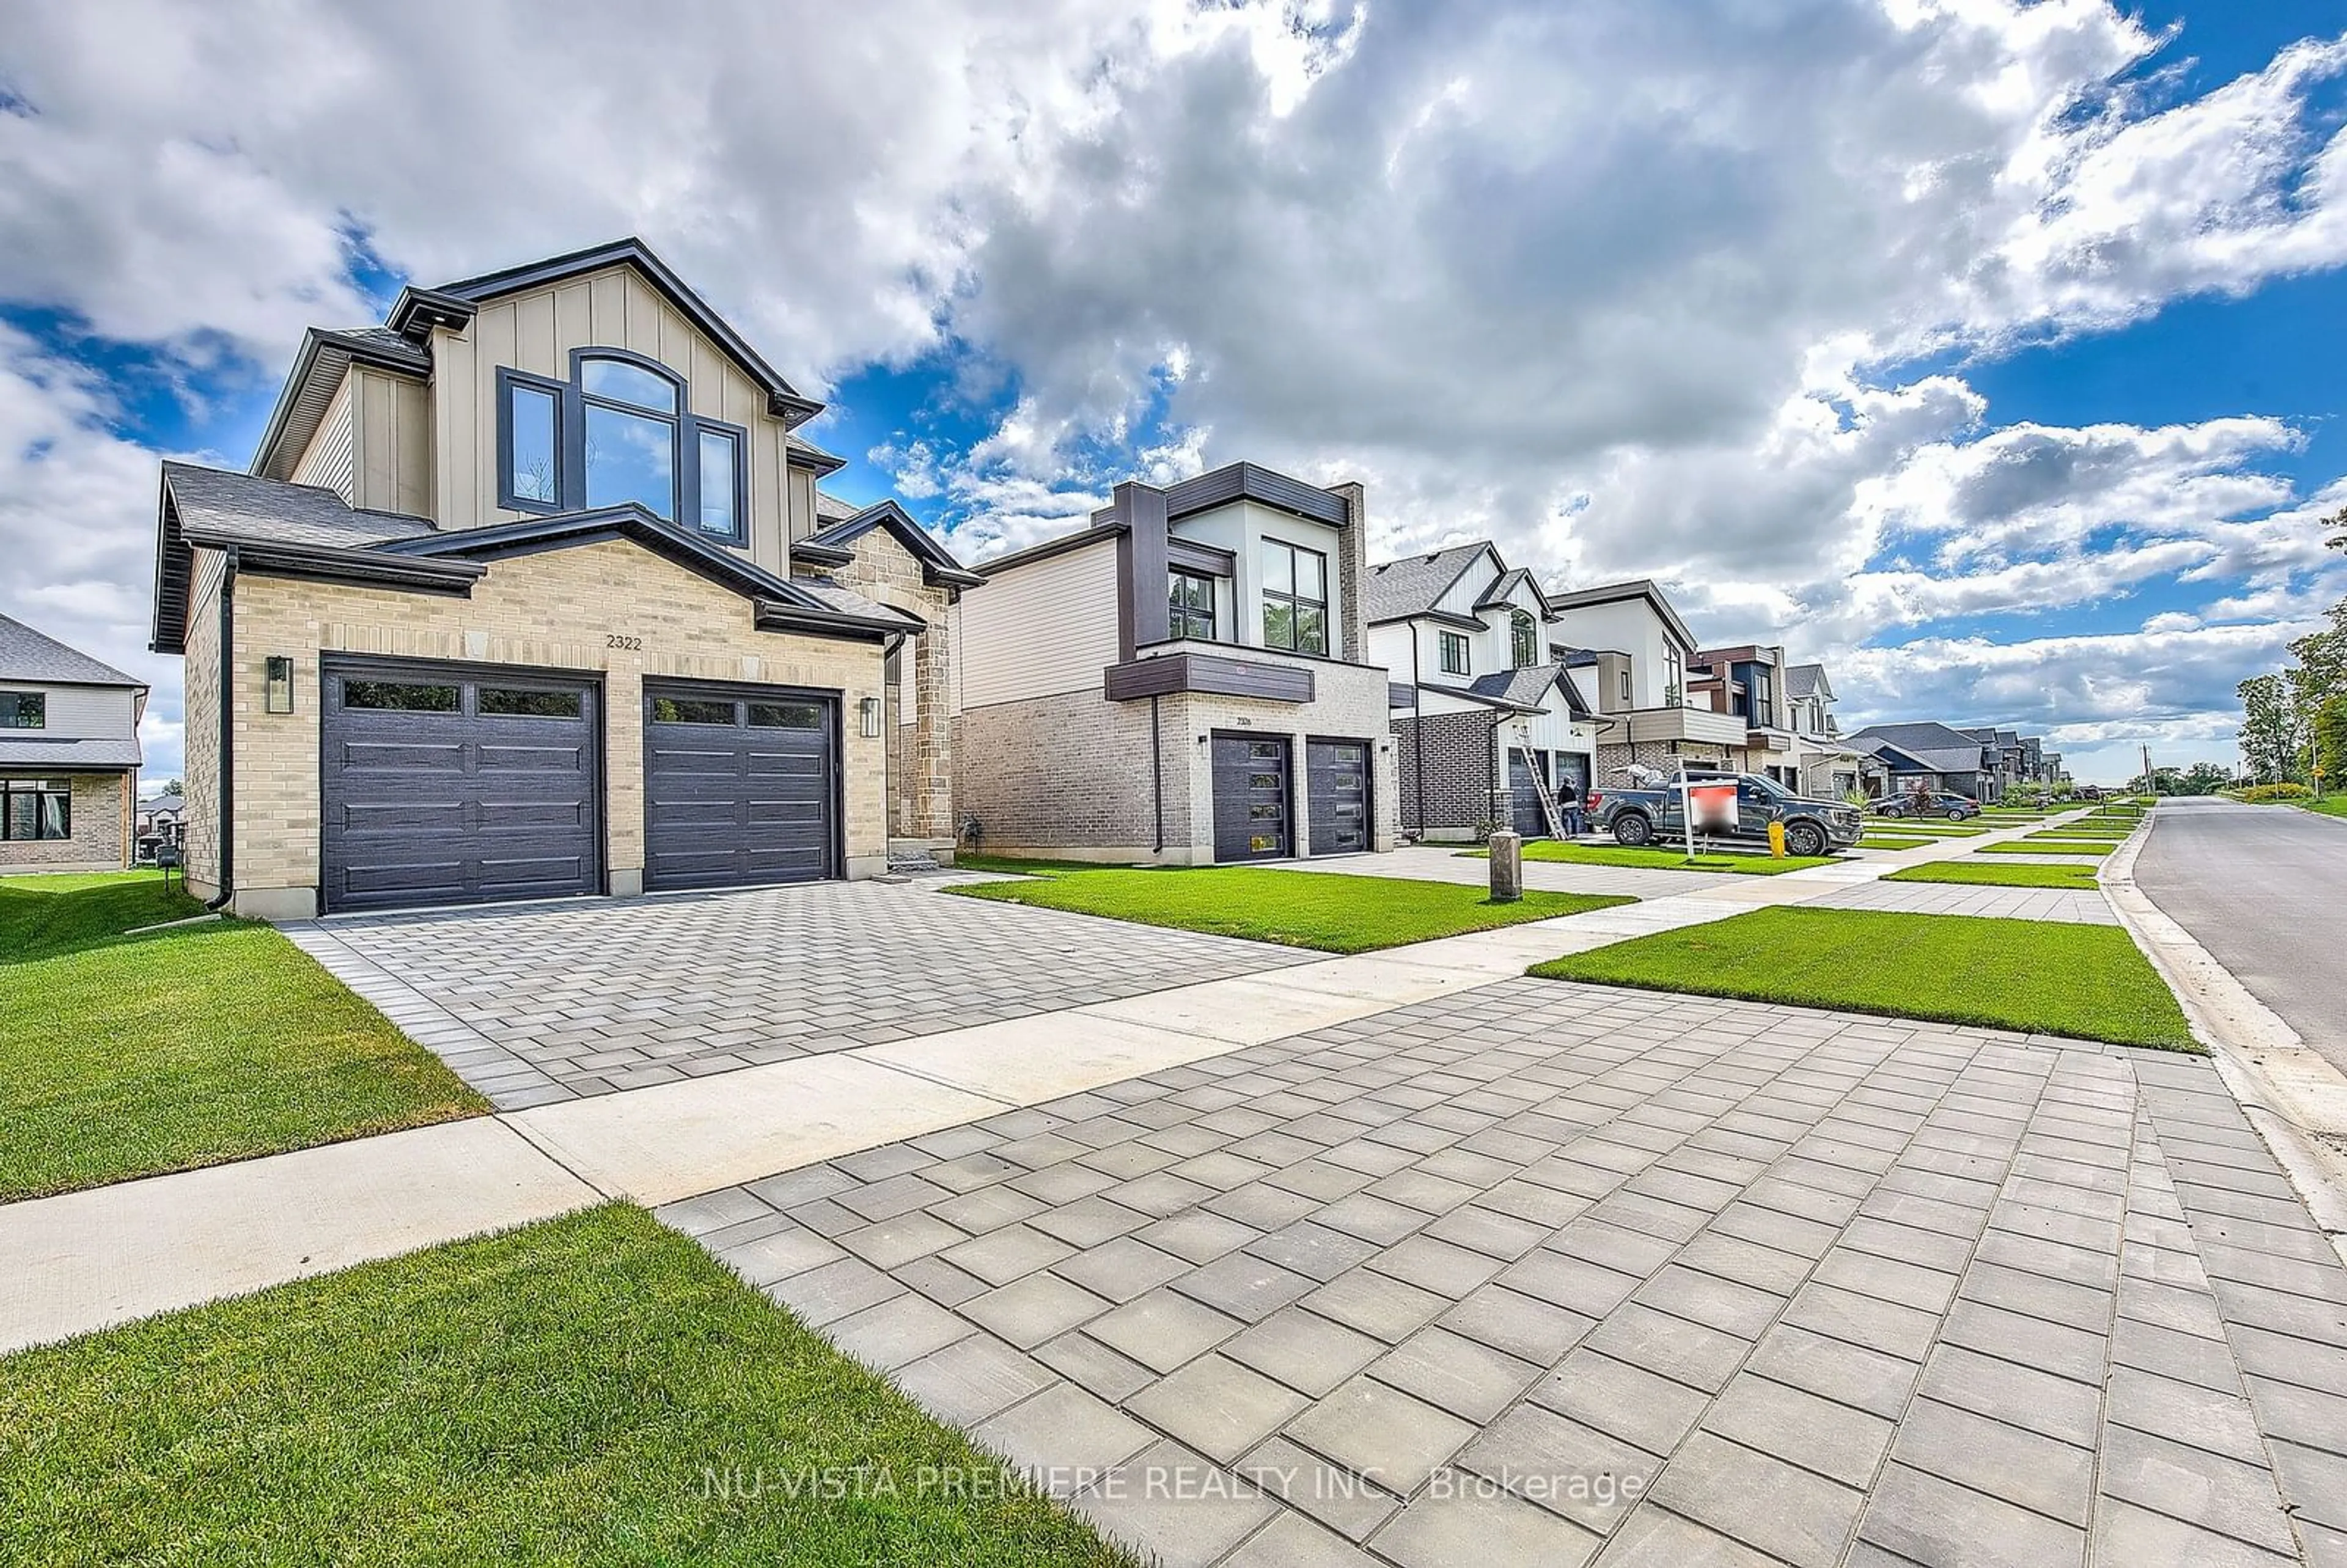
[(1636, 816)]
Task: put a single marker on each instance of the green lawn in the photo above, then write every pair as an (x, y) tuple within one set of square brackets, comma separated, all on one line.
[(1336, 914), (1659, 858), (1885, 841), (2004, 874), (2085, 982), (127, 1056), (2329, 805), (1937, 826), (561, 1394), (2034, 845)]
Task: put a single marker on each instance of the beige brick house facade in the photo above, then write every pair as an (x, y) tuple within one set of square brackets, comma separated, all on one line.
[(559, 483)]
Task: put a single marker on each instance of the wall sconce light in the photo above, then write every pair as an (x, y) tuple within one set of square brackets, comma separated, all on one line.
[(1204, 739), (279, 670), (867, 712)]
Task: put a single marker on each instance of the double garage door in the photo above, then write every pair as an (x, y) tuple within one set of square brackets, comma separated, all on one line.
[(447, 783), (1254, 791)]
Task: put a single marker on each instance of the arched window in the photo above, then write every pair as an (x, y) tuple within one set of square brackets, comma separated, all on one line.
[(1523, 640), (618, 432)]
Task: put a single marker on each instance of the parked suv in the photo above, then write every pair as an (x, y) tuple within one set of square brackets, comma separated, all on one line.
[(1636, 816), (1941, 802)]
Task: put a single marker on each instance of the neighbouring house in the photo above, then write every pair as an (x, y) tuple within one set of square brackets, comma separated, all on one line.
[(1627, 652), (68, 756), (1749, 681), (1825, 767), (529, 590), (1936, 756), (2002, 757), (1485, 716), (160, 823), (1187, 680)]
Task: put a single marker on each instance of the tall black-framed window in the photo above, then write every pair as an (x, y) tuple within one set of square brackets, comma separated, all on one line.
[(23, 709), (36, 808), (1295, 597), (1524, 640), (1190, 605), (619, 431), (1452, 647)]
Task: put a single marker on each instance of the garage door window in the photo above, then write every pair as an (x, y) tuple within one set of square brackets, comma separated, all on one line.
[(507, 704), (400, 696), (683, 711), (786, 716)]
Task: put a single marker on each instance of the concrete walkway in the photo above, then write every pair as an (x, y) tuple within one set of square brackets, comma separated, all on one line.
[(321, 1211)]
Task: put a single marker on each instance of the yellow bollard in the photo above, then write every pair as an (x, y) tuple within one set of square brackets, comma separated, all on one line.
[(1776, 839)]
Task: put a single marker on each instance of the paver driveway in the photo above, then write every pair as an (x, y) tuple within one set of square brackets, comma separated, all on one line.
[(1542, 1274), (551, 1001)]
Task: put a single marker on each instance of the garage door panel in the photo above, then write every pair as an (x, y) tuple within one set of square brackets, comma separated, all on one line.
[(1336, 783), (439, 802), (1251, 799), (738, 803)]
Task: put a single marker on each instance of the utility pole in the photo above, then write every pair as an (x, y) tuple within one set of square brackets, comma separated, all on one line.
[(2150, 784)]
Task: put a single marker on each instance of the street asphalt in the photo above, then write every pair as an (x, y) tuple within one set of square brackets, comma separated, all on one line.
[(2261, 888)]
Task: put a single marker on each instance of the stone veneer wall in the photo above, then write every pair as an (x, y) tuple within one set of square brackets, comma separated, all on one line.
[(1611, 758), (99, 827), (556, 609), (200, 687), (921, 757)]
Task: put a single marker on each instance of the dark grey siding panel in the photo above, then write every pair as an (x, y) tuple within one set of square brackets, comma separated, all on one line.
[(1248, 482), (1336, 782), (1251, 799), (1168, 674), (735, 803), (457, 806)]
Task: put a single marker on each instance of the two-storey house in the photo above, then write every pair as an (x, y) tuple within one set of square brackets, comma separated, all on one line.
[(529, 590), (1628, 653), (68, 756), (1485, 716), (1825, 768), (1185, 680), (1901, 757), (1748, 681)]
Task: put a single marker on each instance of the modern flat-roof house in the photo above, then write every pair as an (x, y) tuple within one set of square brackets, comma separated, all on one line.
[(1185, 680), (1485, 715), (529, 590), (68, 756), (1628, 653), (1749, 681)]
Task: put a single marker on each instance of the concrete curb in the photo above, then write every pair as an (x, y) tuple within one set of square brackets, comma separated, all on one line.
[(2294, 1097)]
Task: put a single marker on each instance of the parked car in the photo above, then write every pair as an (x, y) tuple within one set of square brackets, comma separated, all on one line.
[(1941, 802), (1636, 817)]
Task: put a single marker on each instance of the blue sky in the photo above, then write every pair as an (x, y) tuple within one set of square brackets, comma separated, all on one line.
[(1991, 352)]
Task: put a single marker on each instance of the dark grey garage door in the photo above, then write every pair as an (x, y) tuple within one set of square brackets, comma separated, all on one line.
[(1336, 781), (740, 786), (445, 783), (1523, 796), (1251, 799)]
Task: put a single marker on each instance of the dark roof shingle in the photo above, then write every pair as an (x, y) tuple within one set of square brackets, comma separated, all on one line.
[(1410, 586), (28, 655)]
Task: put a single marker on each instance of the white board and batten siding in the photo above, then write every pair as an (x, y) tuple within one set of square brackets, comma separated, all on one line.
[(1040, 629), (535, 332)]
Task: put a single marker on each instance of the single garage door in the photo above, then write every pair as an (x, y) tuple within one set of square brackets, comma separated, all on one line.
[(1336, 781), (1251, 799), (739, 785), (1523, 796), (446, 783)]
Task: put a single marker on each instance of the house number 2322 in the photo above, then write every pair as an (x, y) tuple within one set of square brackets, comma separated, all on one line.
[(633, 644)]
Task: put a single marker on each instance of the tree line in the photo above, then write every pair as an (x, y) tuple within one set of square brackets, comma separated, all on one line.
[(2294, 720)]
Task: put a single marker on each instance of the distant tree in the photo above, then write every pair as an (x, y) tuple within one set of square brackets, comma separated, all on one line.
[(2273, 735), (2205, 778), (171, 786), (2331, 743)]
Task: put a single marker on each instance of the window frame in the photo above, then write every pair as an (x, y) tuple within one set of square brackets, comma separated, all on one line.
[(1294, 601), (39, 702), (1180, 616), (572, 402), (1523, 640), (1444, 641), (38, 791)]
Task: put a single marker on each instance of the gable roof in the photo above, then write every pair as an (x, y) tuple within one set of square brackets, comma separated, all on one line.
[(1643, 588), (937, 563), (403, 342), (1807, 680), (1414, 585), (304, 530), (1936, 747), (1495, 597), (1529, 687), (28, 656)]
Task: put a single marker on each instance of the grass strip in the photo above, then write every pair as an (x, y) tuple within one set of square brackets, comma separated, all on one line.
[(2001, 874), (1549, 851), (2044, 977)]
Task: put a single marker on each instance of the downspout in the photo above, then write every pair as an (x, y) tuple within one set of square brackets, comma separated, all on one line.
[(227, 735), (1156, 776)]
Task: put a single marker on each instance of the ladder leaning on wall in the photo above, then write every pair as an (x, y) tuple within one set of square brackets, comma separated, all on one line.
[(1521, 735)]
